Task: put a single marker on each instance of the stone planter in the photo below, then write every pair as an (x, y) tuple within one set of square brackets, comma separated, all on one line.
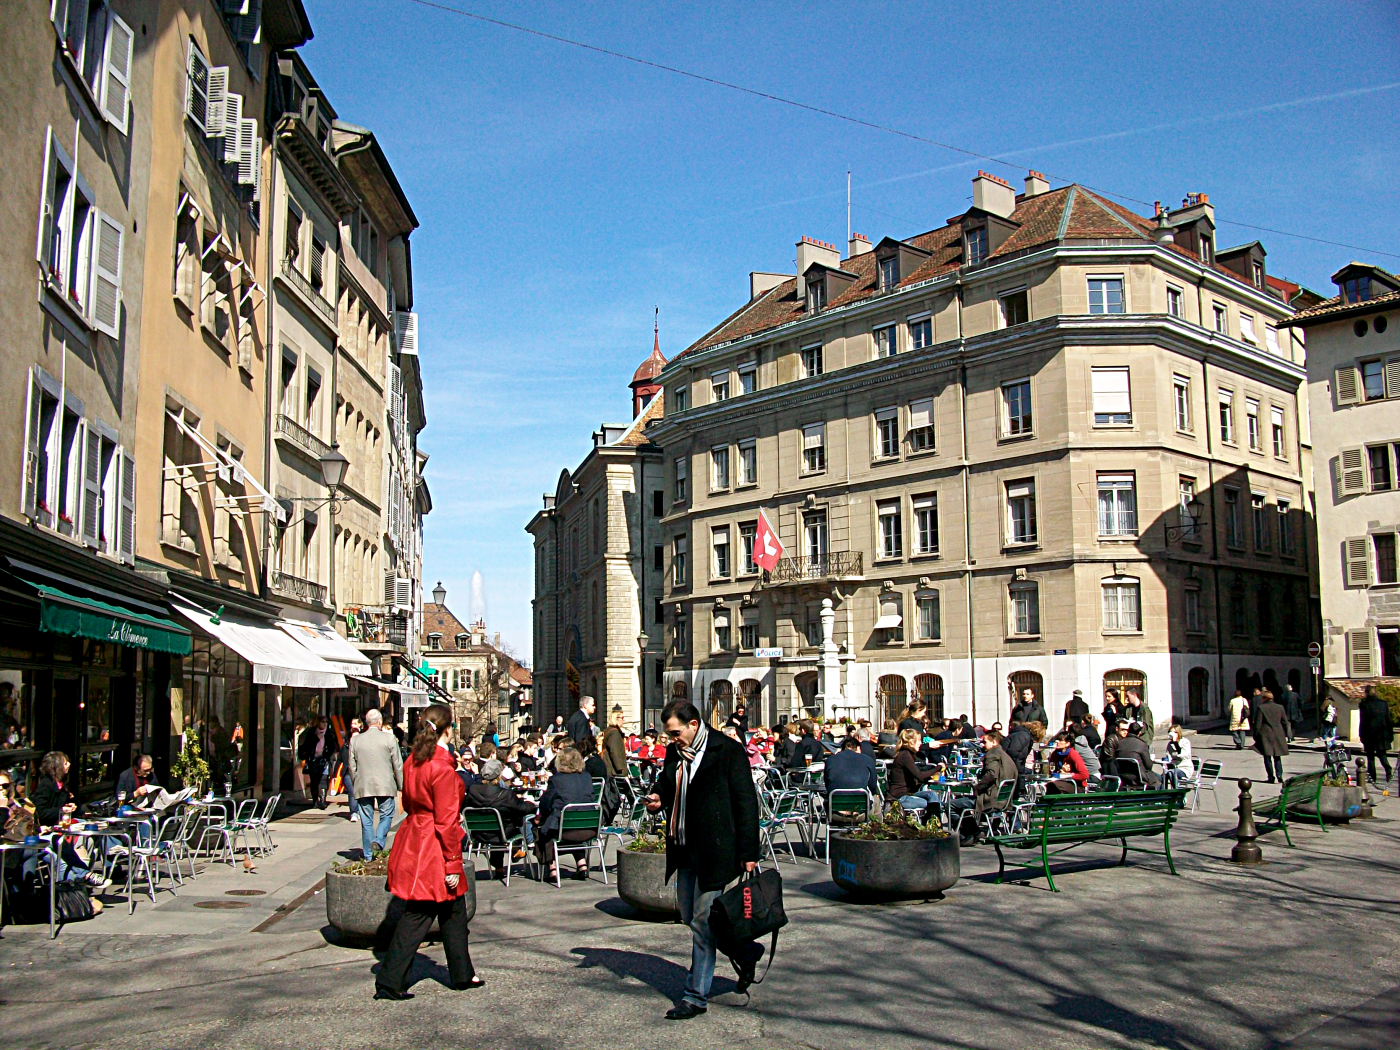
[(642, 882), (360, 907), (1339, 804), (900, 868)]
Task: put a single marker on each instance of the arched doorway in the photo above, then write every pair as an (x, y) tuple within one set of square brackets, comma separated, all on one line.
[(929, 689), (721, 702), (806, 686), (1198, 692), (1017, 681), (894, 696), (751, 693), (1118, 682), (679, 691)]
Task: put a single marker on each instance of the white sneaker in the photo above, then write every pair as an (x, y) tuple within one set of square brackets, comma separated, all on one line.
[(96, 880)]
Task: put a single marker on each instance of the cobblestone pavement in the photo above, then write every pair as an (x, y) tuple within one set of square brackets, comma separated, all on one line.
[(1300, 952)]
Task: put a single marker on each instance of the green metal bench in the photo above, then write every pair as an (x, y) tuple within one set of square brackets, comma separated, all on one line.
[(1296, 791), (1068, 821)]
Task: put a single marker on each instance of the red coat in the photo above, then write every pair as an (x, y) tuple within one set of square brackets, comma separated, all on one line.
[(428, 846)]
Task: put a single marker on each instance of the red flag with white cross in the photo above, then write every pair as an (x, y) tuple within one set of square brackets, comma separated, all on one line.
[(767, 548)]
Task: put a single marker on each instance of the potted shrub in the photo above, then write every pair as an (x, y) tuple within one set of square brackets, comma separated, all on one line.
[(894, 857), (1337, 800), (359, 905), (641, 876), (190, 768)]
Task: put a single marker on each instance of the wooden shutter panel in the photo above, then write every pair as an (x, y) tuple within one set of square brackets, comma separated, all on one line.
[(1348, 386), (126, 517), (248, 152), (1357, 561), (216, 120), (403, 598), (33, 415), (1360, 654), (389, 588), (1392, 377), (106, 295), (92, 484), (197, 88), (406, 330), (1351, 471), (116, 77), (233, 121), (247, 25)]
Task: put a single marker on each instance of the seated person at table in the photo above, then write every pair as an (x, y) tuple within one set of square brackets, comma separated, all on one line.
[(488, 794), (808, 749), (570, 785), (997, 768), (1132, 745), (906, 781), (53, 802), (850, 769), (867, 745), (1108, 751), (1085, 747), (137, 780), (967, 731), (1067, 767), (1019, 744), (593, 763), (889, 737)]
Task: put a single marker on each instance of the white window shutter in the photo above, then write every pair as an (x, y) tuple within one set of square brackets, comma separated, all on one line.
[(1351, 471), (1348, 386), (116, 77), (106, 298), (257, 174), (215, 123), (45, 204), (58, 12), (233, 121), (248, 152), (1392, 377), (404, 596), (34, 423), (389, 588), (1357, 561), (1360, 654), (197, 88), (406, 330), (126, 529), (92, 484), (921, 413)]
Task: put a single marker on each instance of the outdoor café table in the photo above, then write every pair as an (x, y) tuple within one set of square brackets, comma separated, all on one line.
[(225, 804), (6, 847), (100, 834)]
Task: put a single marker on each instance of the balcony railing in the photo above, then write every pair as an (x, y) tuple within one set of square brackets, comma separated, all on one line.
[(297, 589), (396, 630), (319, 303), (300, 438), (833, 566)]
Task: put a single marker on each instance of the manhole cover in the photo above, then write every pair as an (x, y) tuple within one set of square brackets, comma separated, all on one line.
[(221, 904), (244, 893)]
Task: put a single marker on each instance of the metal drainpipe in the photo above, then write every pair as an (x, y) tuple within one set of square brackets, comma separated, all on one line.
[(967, 512), (1214, 543)]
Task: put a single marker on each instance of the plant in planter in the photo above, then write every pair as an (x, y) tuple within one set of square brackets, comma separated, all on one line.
[(1338, 800), (359, 904), (895, 856), (189, 767), (641, 876)]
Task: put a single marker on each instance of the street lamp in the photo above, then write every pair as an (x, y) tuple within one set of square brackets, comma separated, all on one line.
[(439, 593), (333, 465), (1192, 515)]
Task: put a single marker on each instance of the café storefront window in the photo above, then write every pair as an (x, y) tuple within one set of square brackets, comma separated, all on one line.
[(217, 706)]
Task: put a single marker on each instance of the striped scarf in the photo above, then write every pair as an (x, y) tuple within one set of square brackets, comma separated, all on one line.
[(683, 783)]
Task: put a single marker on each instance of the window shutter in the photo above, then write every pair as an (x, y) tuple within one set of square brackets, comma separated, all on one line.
[(1357, 561), (389, 589), (1348, 386), (403, 596), (45, 204), (92, 484), (233, 121), (921, 413), (1351, 471), (1111, 396), (247, 26), (106, 295), (812, 436), (116, 79), (406, 329), (127, 516), (1360, 655), (34, 421), (249, 153), (197, 88), (1392, 377)]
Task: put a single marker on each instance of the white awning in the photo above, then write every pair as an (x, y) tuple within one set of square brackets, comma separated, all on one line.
[(323, 640), (408, 692), (276, 658), (888, 622)]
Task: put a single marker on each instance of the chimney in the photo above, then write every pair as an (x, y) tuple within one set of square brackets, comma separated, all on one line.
[(809, 252), (760, 282), (1036, 184), (992, 194), (859, 244)]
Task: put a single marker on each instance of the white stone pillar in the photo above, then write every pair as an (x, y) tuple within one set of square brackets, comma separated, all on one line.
[(829, 692)]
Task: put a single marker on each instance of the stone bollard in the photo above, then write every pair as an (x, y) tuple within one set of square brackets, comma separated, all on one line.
[(1366, 810), (1246, 850)]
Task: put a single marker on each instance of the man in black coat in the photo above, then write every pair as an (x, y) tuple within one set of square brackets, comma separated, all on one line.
[(1018, 744), (711, 837), (1270, 724), (1133, 746), (1377, 732), (851, 769), (1029, 709), (808, 748), (580, 723), (1076, 710)]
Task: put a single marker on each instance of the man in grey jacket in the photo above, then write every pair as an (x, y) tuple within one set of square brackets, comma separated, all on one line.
[(376, 770)]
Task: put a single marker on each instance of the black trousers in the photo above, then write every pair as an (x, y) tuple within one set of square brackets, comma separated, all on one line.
[(417, 920), (1371, 755), (1273, 767)]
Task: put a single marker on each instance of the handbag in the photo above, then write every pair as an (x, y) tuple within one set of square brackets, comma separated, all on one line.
[(748, 911), (19, 825)]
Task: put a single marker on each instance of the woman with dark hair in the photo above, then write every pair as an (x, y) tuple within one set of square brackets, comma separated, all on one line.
[(52, 802), (593, 763), (425, 862)]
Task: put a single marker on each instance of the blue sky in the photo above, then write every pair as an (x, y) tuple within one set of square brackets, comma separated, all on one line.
[(563, 194)]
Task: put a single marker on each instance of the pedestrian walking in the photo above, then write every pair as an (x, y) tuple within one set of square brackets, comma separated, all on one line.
[(425, 864), (711, 837), (1377, 733), (1239, 719), (1271, 735), (1329, 721), (376, 772), (316, 751), (1293, 708)]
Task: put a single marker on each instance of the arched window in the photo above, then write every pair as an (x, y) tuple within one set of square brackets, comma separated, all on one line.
[(1198, 692), (721, 702), (894, 696), (679, 691), (806, 686), (751, 691), (1018, 681), (929, 689), (1120, 681)]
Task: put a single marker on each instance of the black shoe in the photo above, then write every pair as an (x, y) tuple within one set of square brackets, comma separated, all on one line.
[(475, 982), (381, 992), (748, 969), (684, 1011)]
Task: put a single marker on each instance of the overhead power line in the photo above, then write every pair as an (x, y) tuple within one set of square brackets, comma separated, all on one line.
[(886, 128)]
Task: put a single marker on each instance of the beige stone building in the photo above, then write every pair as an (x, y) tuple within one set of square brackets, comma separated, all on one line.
[(1050, 444), (1353, 343)]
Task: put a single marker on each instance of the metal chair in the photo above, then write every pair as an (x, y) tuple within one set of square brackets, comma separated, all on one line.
[(994, 818), (1206, 779), (147, 859), (1130, 773), (846, 804), (231, 829), (487, 823), (783, 812), (635, 815), (580, 817), (259, 825)]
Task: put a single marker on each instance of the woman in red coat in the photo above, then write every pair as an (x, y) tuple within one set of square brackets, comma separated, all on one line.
[(425, 862)]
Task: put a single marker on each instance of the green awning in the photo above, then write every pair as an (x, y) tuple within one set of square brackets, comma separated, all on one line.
[(64, 613)]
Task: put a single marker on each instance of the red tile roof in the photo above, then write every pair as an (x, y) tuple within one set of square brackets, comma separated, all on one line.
[(1334, 309), (1355, 688)]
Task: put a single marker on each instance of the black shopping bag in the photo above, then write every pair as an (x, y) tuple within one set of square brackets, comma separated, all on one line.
[(754, 907)]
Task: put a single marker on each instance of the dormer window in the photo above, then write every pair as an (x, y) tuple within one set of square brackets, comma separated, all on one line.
[(816, 296), (889, 273), (1207, 251), (976, 245), (434, 641), (460, 641), (1258, 272), (1356, 289)]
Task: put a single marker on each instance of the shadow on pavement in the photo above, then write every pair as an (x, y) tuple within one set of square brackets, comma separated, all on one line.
[(1100, 1013), (620, 909), (662, 974)]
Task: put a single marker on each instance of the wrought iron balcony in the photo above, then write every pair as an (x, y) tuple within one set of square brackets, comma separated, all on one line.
[(834, 566), (396, 630), (309, 292), (301, 439), (297, 589)]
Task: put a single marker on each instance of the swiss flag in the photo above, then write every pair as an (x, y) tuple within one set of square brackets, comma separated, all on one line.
[(767, 548)]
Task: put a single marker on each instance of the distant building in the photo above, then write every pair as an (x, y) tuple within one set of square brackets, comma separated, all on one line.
[(487, 685)]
